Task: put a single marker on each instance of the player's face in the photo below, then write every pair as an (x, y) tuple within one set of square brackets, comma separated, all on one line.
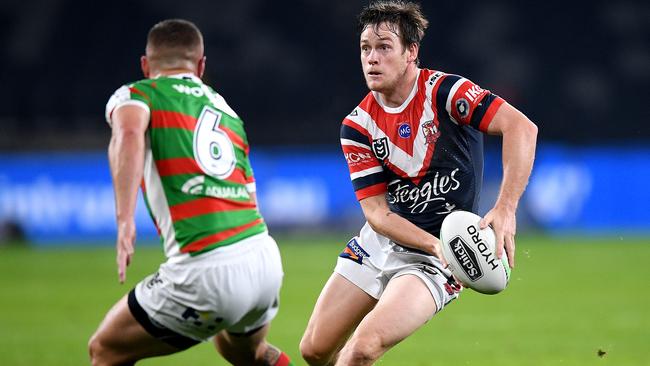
[(383, 58)]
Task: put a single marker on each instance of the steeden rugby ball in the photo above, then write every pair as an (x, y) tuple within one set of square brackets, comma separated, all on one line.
[(471, 255)]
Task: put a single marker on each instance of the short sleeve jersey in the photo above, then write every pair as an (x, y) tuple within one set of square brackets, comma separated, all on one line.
[(426, 155), (197, 179)]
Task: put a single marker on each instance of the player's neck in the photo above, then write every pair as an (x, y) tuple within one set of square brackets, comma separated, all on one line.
[(396, 96), (176, 71)]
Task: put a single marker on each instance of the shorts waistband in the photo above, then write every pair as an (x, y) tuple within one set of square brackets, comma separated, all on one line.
[(238, 248)]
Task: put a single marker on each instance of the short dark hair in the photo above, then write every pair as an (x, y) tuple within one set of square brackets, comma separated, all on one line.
[(175, 40), (407, 17)]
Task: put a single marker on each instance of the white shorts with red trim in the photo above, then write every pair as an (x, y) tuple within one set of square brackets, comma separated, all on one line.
[(371, 260)]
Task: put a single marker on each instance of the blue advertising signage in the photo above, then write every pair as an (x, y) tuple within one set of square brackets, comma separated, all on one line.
[(595, 190), (68, 197), (62, 197)]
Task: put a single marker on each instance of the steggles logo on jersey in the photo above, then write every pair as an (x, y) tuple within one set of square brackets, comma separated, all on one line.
[(419, 198), (431, 132), (462, 107), (380, 148), (404, 130)]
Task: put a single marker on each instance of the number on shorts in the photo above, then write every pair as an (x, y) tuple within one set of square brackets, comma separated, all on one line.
[(213, 149)]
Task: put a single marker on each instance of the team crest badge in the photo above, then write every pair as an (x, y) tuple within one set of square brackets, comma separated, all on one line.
[(431, 132), (354, 252), (380, 148)]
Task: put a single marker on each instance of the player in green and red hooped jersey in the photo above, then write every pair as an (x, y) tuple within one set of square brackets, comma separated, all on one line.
[(188, 191), (199, 203)]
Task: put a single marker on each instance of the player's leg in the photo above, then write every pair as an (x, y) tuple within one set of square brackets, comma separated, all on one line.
[(122, 340), (405, 306), (339, 309), (249, 348), (254, 278)]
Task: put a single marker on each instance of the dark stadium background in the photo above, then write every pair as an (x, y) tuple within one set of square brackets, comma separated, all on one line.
[(581, 70)]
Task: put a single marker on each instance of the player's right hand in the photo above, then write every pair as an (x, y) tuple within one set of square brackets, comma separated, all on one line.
[(125, 246)]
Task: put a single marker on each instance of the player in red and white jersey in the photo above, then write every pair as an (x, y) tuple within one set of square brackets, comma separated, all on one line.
[(414, 147)]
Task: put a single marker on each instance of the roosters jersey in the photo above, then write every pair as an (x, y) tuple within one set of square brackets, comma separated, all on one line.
[(426, 155), (197, 177)]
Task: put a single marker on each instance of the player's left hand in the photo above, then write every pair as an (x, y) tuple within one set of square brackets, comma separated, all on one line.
[(504, 223), (125, 247)]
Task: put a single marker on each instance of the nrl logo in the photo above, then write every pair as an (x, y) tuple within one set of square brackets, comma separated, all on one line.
[(380, 148), (431, 132)]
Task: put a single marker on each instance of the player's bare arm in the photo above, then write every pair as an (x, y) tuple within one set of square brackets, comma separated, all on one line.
[(398, 229), (126, 158), (519, 140)]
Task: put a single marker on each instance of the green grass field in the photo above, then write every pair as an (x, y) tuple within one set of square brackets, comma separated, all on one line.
[(568, 300)]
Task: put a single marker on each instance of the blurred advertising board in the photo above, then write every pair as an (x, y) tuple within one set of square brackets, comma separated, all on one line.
[(595, 190), (68, 197)]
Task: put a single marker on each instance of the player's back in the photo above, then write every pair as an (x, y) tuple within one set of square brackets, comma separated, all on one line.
[(198, 181)]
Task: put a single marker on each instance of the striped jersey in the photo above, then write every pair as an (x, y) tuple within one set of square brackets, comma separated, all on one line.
[(426, 155), (198, 179)]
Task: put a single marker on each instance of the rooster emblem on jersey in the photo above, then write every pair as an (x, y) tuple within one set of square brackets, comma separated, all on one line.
[(431, 132)]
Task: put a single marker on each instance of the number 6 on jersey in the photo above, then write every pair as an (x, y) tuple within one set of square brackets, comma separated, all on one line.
[(213, 149)]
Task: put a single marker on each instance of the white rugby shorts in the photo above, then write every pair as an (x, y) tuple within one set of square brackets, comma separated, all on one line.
[(235, 287), (371, 260)]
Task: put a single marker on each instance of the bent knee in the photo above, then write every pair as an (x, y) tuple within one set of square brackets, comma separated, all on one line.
[(96, 351), (100, 354), (316, 353)]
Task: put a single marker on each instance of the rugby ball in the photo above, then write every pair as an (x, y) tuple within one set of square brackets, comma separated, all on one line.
[(471, 255)]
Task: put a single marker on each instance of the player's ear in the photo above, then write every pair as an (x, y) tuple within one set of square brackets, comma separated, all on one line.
[(413, 48), (200, 67), (144, 65)]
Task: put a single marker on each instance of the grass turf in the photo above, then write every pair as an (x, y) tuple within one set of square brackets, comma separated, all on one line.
[(568, 300)]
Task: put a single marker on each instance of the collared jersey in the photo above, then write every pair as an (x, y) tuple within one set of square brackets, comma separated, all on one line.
[(426, 155), (197, 179)]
